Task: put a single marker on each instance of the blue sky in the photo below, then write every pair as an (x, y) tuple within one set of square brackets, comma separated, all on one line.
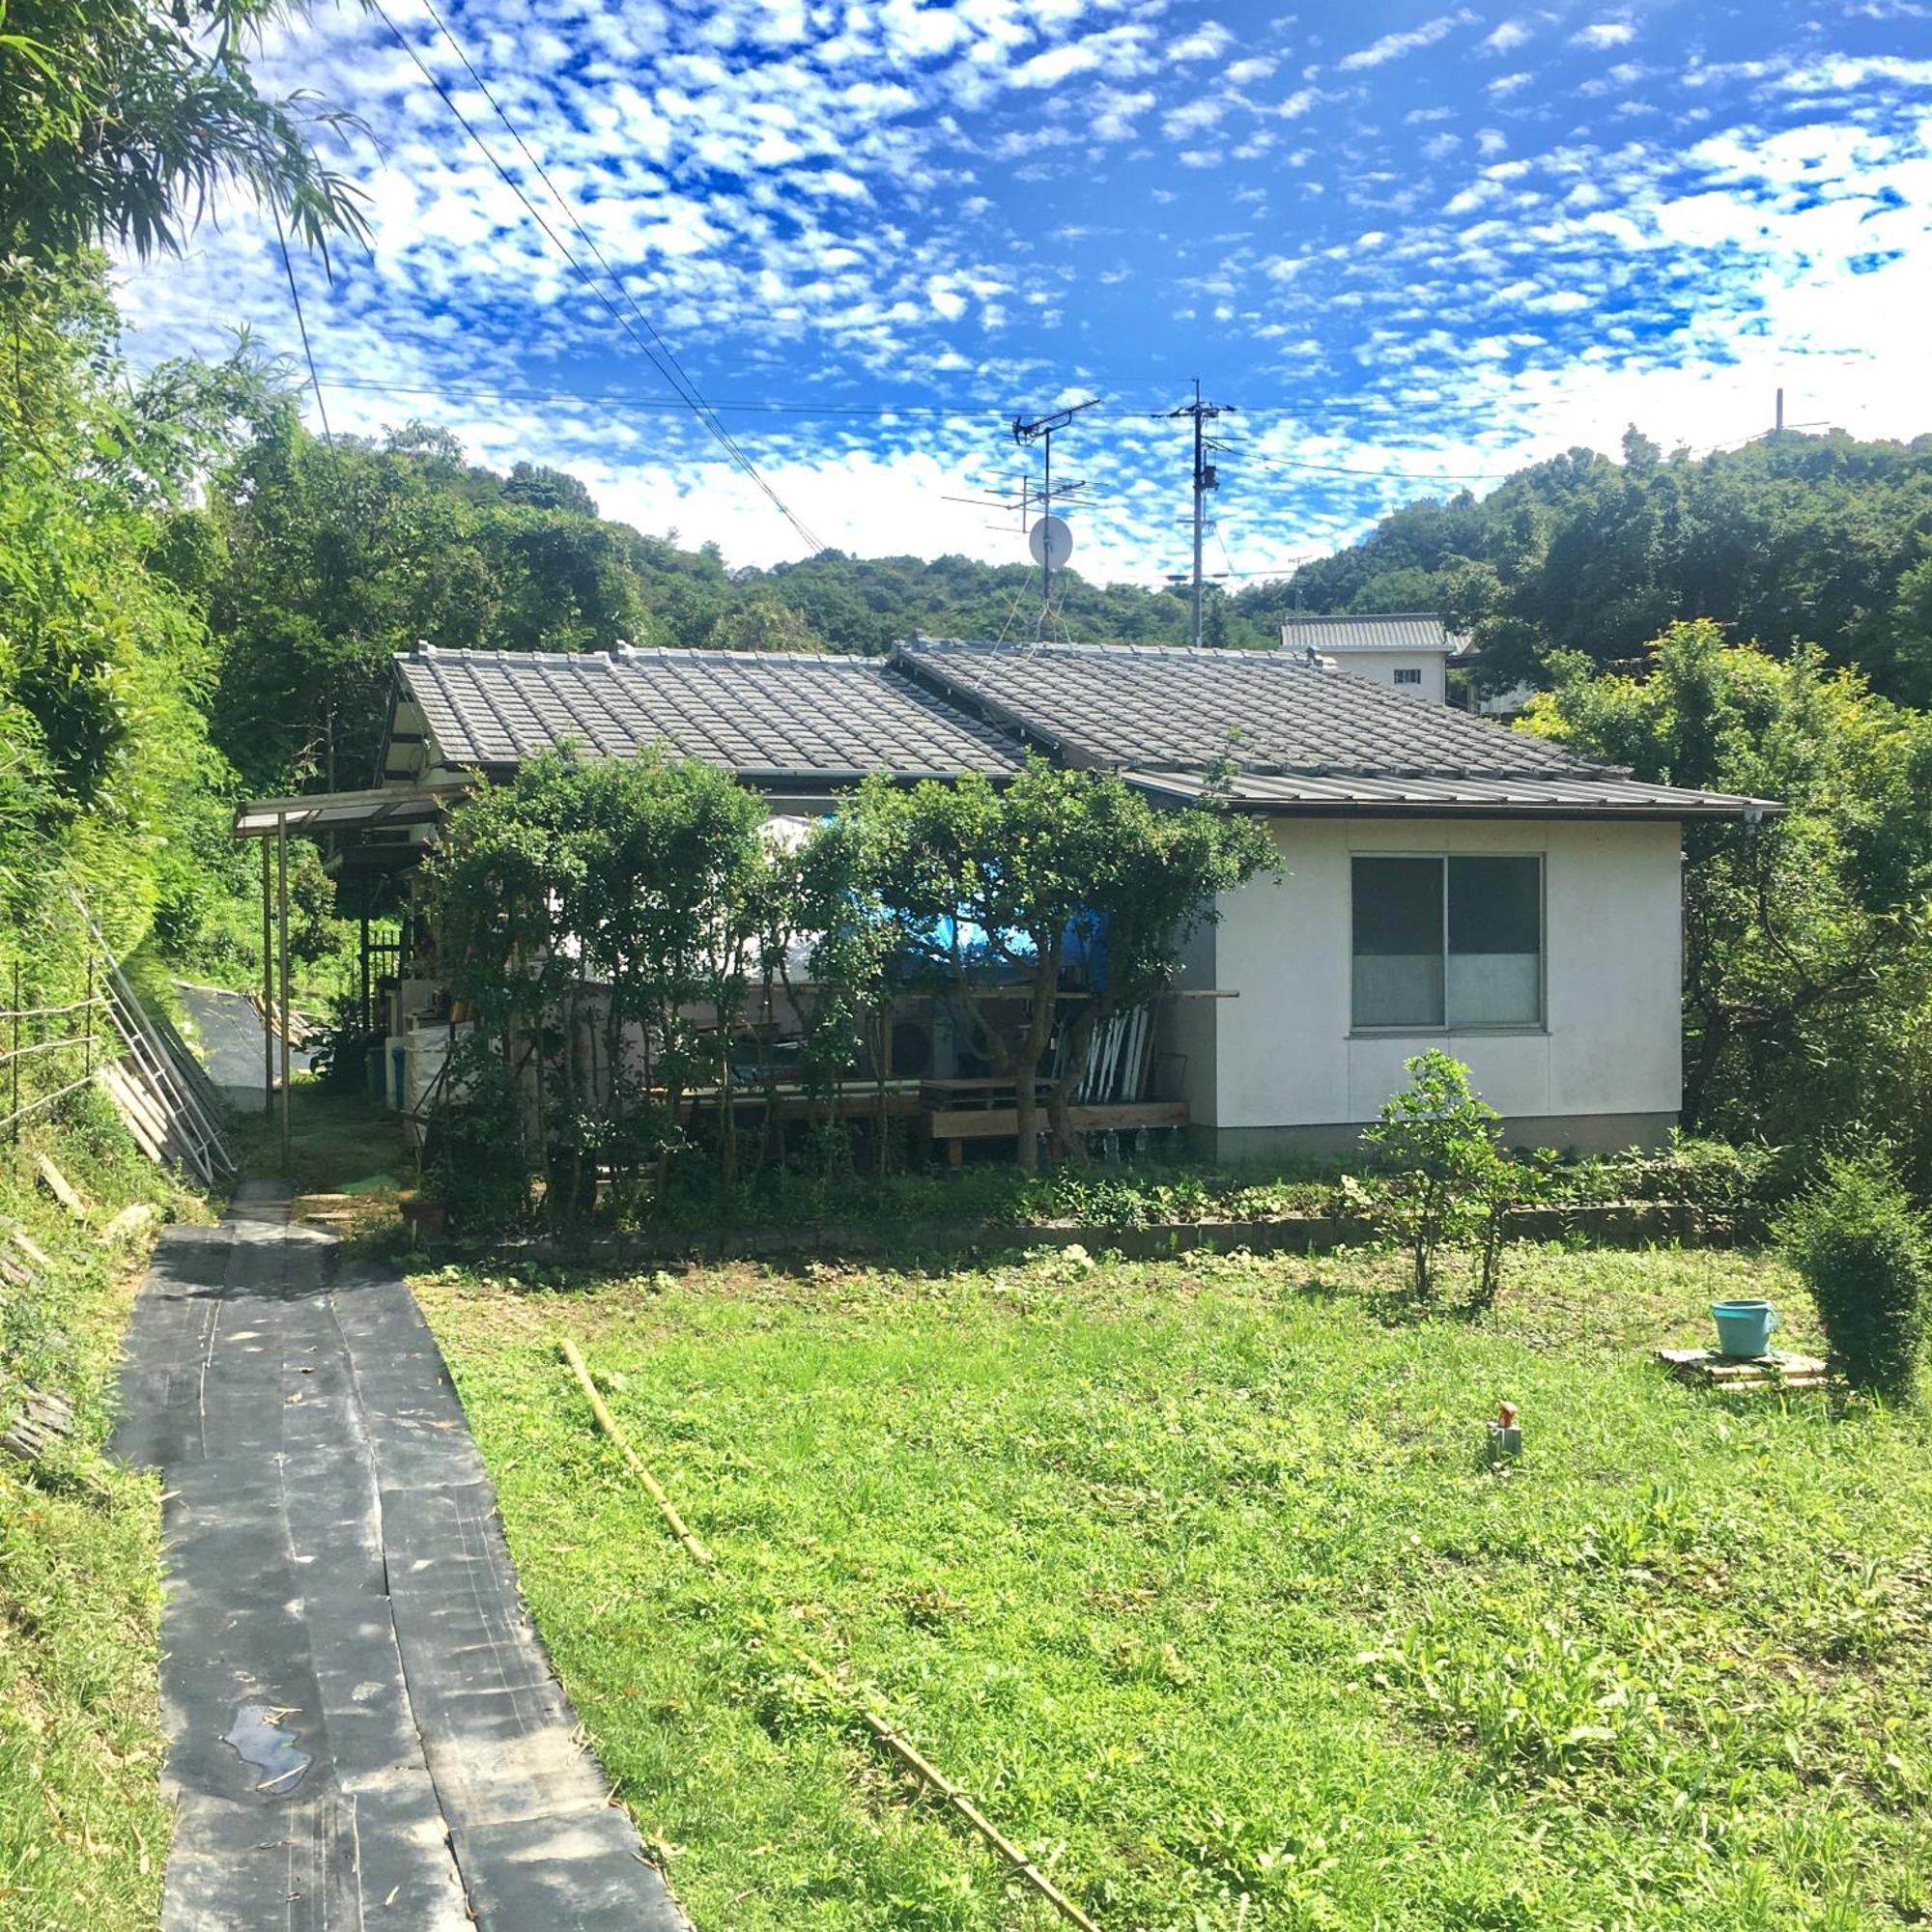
[(1415, 246)]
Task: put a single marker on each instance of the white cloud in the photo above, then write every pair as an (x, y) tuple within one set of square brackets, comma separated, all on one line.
[(1191, 117), (1207, 41), (854, 203), (1605, 34), (1393, 46)]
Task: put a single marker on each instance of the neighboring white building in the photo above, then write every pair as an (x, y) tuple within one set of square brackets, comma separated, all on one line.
[(1408, 650), (1445, 881)]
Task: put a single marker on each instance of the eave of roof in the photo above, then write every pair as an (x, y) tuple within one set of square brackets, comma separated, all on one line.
[(346, 810), (1302, 795)]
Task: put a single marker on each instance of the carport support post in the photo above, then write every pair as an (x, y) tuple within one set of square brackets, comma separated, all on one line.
[(267, 988), (282, 949)]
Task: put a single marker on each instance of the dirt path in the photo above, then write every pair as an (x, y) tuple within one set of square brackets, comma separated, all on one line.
[(364, 1730)]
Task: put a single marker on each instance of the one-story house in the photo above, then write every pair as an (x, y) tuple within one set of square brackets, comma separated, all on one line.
[(1445, 882)]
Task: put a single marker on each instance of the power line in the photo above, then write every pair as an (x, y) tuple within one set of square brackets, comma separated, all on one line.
[(301, 325), (693, 401), (681, 381)]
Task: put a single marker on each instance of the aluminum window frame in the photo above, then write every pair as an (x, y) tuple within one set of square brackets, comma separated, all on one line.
[(1448, 1028)]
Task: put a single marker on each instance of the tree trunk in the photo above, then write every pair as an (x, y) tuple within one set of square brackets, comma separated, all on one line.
[(1028, 1055), (1068, 1145), (1717, 1037), (614, 1065)]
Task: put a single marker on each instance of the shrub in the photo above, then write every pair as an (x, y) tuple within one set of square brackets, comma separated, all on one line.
[(1440, 1144), (1862, 1251)]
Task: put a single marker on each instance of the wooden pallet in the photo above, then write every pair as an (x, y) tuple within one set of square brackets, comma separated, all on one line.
[(1740, 1373)]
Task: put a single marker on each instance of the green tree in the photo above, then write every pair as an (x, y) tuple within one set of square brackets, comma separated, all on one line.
[(1807, 951), (1790, 539), (602, 920), (995, 888), (120, 121), (1864, 1253), (763, 622)]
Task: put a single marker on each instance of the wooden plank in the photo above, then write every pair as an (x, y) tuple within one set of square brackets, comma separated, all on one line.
[(1738, 1373), (124, 1082), (37, 1426), (29, 1247), (136, 1117), (60, 1187), (979, 1083), (984, 1124)]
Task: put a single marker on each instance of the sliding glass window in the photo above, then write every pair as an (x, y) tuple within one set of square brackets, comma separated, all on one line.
[(1448, 942)]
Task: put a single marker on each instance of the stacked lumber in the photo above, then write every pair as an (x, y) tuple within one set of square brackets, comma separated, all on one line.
[(1738, 1375)]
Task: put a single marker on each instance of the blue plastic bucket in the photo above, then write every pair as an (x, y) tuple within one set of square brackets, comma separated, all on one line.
[(1743, 1327)]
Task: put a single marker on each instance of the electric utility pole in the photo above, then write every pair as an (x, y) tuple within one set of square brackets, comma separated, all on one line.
[(1205, 479)]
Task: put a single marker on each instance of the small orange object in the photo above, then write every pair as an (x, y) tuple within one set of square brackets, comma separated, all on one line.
[(1506, 1415)]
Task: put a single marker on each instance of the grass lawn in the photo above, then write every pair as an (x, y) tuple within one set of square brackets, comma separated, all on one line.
[(84, 1832), (1191, 1574)]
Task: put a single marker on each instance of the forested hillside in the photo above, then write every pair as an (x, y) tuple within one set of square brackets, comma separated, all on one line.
[(314, 563), (1818, 539)]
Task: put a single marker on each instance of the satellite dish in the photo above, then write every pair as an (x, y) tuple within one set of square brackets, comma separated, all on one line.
[(1051, 542)]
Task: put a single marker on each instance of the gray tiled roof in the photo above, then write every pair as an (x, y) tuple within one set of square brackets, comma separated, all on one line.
[(1393, 631), (763, 715), (1303, 736)]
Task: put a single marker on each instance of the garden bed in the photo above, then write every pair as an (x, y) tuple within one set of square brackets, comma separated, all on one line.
[(1605, 1223)]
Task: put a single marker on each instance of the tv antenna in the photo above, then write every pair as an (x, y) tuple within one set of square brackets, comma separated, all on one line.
[(1050, 539)]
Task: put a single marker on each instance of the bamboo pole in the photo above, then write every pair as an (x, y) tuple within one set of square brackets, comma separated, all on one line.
[(282, 967), (632, 1459), (929, 1774), (267, 985), (907, 1753)]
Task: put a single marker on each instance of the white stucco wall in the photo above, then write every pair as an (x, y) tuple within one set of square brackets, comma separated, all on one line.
[(1284, 1053), (1380, 667)]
